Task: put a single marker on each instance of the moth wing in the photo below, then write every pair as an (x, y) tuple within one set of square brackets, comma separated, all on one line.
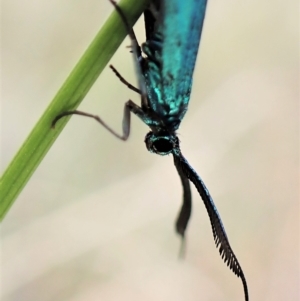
[(181, 32)]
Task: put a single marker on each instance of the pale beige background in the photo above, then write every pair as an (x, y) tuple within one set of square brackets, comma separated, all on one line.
[(96, 221)]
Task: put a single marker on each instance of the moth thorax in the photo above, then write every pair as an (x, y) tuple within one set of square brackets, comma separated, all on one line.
[(161, 143)]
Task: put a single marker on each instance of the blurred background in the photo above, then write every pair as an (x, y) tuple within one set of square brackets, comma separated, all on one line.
[(96, 220)]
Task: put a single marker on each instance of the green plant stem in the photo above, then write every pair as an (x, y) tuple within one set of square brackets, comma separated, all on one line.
[(68, 97)]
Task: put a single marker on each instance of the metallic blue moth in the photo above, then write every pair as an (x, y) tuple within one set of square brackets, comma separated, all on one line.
[(165, 75)]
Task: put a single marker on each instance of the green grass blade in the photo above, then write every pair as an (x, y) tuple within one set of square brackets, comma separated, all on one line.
[(68, 97)]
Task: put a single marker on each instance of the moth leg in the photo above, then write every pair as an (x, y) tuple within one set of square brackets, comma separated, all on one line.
[(124, 81), (138, 58), (135, 45), (129, 107)]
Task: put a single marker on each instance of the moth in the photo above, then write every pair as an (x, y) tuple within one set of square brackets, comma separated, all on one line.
[(164, 66)]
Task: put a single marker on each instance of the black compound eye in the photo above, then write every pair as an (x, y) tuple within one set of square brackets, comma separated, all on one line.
[(162, 145)]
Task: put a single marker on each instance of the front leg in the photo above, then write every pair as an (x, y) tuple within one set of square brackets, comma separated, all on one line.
[(130, 106)]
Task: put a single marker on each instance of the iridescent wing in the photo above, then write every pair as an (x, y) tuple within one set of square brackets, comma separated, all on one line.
[(181, 32), (173, 31)]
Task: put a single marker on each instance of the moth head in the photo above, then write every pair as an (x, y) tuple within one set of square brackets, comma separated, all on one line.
[(161, 143)]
